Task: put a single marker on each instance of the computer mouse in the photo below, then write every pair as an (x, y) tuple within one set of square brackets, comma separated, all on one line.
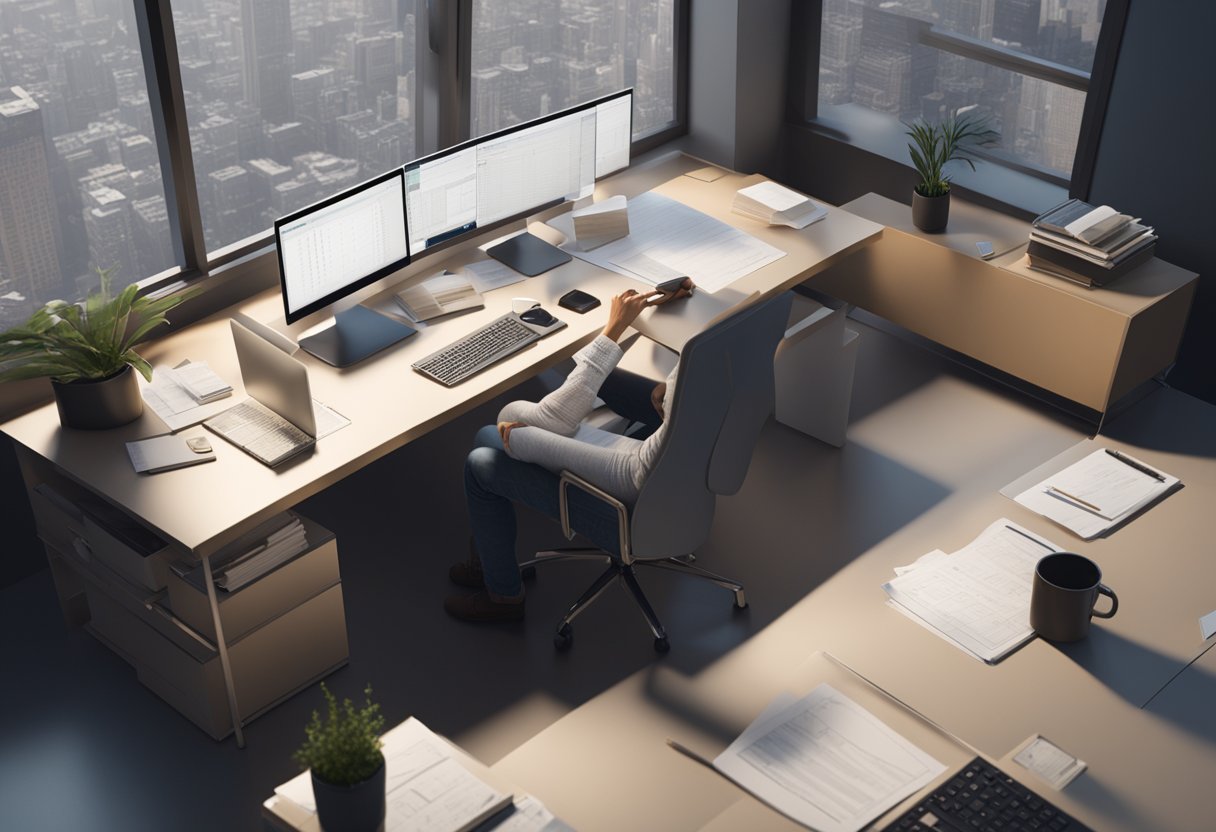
[(537, 317)]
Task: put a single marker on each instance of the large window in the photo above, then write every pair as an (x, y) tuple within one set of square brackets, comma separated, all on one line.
[(289, 101), (80, 177), (533, 57), (1023, 65)]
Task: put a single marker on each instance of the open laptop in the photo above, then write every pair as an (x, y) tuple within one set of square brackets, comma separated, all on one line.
[(279, 420)]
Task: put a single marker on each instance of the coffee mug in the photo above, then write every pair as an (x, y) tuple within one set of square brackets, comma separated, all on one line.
[(1065, 590)]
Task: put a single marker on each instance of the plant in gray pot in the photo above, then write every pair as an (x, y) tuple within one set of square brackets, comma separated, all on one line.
[(343, 751), (933, 147), (86, 349)]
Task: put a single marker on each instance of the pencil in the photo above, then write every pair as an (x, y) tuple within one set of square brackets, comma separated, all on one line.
[(1074, 499), (689, 753)]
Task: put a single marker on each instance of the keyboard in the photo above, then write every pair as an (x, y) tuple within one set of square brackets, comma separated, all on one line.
[(473, 353), (982, 797), (260, 432)]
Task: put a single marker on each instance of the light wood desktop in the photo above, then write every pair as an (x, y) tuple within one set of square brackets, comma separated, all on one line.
[(200, 509)]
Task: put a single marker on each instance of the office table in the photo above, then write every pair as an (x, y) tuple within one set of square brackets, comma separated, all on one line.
[(1133, 700), (201, 509)]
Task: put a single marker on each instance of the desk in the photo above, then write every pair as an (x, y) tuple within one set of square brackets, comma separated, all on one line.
[(1148, 749), (388, 404)]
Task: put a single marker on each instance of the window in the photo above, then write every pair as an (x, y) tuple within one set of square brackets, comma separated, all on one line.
[(290, 101), (534, 57), (1024, 65), (80, 178)]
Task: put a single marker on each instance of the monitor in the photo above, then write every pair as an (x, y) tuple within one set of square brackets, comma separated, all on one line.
[(613, 132), (332, 249)]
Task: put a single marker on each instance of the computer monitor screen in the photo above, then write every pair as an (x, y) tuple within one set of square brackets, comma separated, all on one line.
[(340, 245), (441, 197), (613, 132)]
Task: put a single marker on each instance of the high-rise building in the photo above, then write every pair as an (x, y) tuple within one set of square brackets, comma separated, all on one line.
[(151, 234), (266, 43), (107, 218), (29, 221)]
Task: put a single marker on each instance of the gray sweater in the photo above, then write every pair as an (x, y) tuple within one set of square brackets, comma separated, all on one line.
[(555, 438)]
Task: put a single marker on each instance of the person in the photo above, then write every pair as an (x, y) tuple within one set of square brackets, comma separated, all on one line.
[(520, 460)]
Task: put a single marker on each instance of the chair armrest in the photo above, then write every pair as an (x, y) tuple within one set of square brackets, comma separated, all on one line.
[(622, 511)]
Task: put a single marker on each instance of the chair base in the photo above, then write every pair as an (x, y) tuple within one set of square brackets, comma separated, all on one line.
[(618, 571)]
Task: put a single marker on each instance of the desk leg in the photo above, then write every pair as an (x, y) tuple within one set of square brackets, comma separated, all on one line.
[(222, 645)]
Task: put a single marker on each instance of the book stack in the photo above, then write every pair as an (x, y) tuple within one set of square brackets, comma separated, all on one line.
[(1087, 245), (278, 547), (775, 204)]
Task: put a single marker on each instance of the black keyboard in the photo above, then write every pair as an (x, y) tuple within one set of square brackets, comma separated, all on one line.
[(473, 353), (982, 797)]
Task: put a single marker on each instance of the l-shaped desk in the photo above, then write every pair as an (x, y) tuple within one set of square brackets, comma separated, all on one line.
[(201, 509)]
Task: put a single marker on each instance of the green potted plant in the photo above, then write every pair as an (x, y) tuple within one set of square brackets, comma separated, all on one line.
[(86, 349), (933, 147), (343, 752)]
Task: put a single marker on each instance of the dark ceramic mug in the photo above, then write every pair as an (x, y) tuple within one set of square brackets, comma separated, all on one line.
[(1065, 590)]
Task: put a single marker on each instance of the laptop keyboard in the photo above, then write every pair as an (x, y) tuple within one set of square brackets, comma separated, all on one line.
[(473, 353), (259, 431), (982, 797)]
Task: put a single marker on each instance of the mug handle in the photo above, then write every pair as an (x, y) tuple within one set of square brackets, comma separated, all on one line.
[(1103, 589)]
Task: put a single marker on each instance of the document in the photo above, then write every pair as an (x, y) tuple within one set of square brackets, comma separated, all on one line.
[(171, 400), (678, 238), (487, 275), (1096, 493), (826, 762), (978, 597), (1207, 625), (1050, 762)]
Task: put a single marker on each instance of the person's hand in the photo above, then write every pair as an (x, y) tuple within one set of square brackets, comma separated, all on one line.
[(504, 430), (656, 397), (625, 309), (685, 291)]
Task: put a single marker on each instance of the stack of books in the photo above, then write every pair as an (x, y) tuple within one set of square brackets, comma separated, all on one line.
[(279, 547), (775, 204), (1087, 245)]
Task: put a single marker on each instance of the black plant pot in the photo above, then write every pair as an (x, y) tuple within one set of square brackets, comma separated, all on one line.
[(930, 213), (357, 808), (98, 404)]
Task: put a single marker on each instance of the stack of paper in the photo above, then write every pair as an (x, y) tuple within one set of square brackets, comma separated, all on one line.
[(439, 295), (172, 400), (777, 205), (1088, 245), (826, 762), (278, 548), (979, 597), (200, 381), (601, 222), (1098, 492)]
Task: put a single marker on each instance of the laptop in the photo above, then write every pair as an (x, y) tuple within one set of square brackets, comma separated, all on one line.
[(279, 419)]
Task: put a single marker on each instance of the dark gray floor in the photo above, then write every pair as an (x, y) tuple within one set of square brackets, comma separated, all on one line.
[(85, 746)]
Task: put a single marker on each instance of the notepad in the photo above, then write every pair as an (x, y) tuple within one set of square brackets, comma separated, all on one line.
[(166, 453), (439, 295)]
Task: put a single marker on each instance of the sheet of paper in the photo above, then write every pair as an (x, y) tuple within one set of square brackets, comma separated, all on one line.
[(299, 791), (772, 195), (530, 815), (979, 596), (444, 796), (710, 173), (488, 275), (328, 420), (827, 762), (1050, 762), (174, 404), (1113, 489), (923, 560), (683, 239), (1207, 625)]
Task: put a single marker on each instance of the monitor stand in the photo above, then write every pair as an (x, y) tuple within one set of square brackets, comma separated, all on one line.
[(528, 254), (357, 333)]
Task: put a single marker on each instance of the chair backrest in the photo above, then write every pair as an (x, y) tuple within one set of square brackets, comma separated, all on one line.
[(723, 396)]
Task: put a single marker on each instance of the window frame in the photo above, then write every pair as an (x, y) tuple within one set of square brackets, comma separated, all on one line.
[(802, 100)]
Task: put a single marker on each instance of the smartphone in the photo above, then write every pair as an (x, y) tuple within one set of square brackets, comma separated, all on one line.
[(670, 287)]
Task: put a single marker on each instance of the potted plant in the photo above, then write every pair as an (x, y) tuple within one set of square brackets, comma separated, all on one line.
[(343, 752), (933, 147), (86, 349)]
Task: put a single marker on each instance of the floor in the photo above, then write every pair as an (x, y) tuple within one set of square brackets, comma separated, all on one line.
[(85, 746)]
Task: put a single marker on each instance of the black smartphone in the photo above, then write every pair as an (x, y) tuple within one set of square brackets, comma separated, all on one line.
[(578, 301), (670, 287)]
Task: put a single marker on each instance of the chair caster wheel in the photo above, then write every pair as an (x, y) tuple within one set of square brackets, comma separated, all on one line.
[(740, 601), (563, 638), (737, 607), (528, 573), (662, 645)]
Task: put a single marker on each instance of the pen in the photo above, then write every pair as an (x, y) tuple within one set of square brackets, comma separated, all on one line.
[(1053, 490), (1141, 467), (1029, 537), (689, 753)]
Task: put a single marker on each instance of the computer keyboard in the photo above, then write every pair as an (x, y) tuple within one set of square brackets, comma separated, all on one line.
[(982, 797), (473, 353), (260, 432)]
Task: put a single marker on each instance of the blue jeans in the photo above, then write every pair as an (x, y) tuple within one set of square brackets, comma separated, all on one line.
[(493, 481)]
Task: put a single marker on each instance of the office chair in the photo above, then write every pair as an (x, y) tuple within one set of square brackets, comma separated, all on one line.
[(723, 396)]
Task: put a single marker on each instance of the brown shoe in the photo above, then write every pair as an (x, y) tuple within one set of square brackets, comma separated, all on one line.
[(468, 573), (481, 607)]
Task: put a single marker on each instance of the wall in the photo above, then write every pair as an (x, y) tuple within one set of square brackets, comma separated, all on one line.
[(1157, 156)]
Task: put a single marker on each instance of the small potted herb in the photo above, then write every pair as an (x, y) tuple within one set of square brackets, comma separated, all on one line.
[(933, 147), (86, 349), (343, 752)]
